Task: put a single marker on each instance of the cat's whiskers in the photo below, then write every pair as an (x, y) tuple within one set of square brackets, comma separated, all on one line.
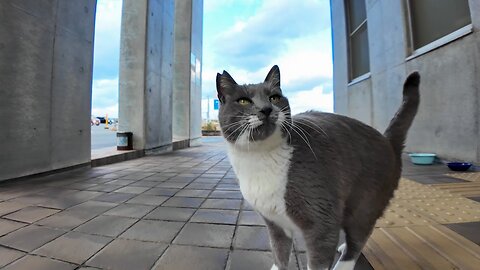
[(302, 135), (232, 125), (311, 125), (243, 125)]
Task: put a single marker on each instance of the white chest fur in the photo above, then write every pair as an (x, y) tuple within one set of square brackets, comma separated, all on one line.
[(263, 175)]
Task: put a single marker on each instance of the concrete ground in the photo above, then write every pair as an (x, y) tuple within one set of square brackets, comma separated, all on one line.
[(102, 138), (181, 210)]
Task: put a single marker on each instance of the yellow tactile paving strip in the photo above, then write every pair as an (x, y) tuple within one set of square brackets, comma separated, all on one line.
[(410, 234), (469, 176)]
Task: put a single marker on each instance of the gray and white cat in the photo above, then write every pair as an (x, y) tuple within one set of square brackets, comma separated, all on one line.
[(313, 173)]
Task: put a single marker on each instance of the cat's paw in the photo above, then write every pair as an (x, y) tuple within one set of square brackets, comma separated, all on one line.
[(344, 265), (274, 267), (342, 248)]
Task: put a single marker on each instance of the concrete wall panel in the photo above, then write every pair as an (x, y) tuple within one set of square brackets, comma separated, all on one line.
[(42, 85)]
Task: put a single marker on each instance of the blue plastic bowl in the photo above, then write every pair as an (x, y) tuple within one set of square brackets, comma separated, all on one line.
[(459, 166), (422, 158)]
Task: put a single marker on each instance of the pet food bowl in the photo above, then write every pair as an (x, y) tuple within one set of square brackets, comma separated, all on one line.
[(459, 166), (422, 158)]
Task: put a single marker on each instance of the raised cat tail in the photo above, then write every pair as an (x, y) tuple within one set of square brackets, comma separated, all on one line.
[(397, 130)]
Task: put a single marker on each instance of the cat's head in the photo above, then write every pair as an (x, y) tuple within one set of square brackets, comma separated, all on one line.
[(254, 112)]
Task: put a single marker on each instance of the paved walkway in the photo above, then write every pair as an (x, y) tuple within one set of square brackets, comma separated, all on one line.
[(176, 211)]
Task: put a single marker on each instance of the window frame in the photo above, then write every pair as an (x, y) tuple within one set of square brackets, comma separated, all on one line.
[(366, 75), (437, 43)]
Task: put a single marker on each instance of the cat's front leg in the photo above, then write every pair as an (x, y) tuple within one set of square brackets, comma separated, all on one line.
[(281, 245), (321, 245)]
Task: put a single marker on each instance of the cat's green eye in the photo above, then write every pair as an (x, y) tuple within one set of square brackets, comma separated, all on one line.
[(244, 101), (275, 98)]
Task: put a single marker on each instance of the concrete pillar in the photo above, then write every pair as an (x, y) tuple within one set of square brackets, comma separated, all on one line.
[(46, 59), (146, 63), (187, 76), (196, 72)]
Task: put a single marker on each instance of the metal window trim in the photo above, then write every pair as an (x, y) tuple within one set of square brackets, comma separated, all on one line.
[(360, 79), (468, 29)]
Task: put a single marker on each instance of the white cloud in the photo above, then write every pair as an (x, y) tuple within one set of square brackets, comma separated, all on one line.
[(105, 97), (315, 99), (107, 15), (112, 111)]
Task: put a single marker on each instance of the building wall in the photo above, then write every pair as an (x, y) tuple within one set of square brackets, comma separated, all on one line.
[(187, 86), (146, 73), (447, 122), (46, 58)]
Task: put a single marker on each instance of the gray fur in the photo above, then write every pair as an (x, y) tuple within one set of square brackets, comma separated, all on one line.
[(342, 174)]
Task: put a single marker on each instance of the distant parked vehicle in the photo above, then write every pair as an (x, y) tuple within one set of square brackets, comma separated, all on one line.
[(102, 120), (94, 121)]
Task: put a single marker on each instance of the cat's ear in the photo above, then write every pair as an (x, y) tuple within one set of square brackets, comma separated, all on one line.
[(225, 83), (273, 77)]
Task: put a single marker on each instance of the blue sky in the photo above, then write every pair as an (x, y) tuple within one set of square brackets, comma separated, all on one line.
[(244, 37)]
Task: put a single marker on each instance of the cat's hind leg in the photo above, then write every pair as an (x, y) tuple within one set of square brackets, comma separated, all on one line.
[(281, 245)]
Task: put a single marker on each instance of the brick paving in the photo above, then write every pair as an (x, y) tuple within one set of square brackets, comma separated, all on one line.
[(181, 210)]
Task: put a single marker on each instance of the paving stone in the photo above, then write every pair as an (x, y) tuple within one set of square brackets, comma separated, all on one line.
[(115, 197), (148, 199), (130, 210), (144, 183), (105, 187), (31, 214), (153, 230), (171, 213), (229, 204), (252, 238), (215, 216), (67, 219), (475, 198), (205, 186), (8, 255), (76, 215), (134, 190), (68, 200), (469, 230), (232, 187), (7, 226), (250, 218), (121, 182), (199, 258), (206, 235), (206, 180), (258, 260), (39, 263), (123, 254), (107, 225), (183, 202), (73, 247), (224, 194), (194, 193), (10, 207), (162, 191), (168, 184), (30, 238), (229, 181), (247, 206), (212, 175)]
